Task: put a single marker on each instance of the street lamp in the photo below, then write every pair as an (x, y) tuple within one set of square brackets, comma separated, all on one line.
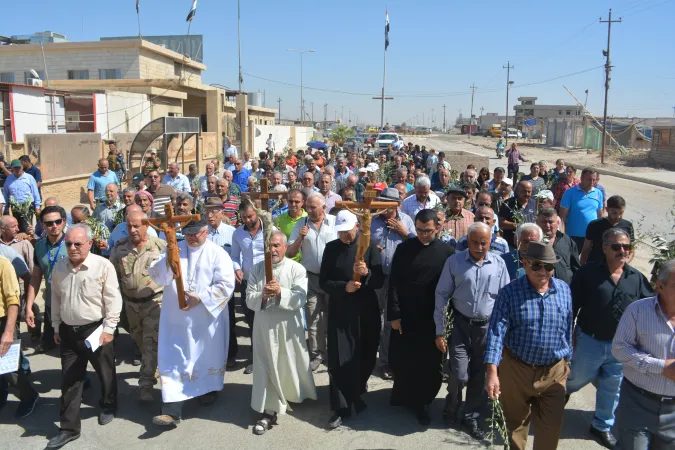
[(302, 103)]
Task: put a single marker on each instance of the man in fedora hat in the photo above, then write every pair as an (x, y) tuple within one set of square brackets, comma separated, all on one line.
[(530, 340), (387, 231)]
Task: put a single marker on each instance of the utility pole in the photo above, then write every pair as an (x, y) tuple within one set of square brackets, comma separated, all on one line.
[(342, 113), (473, 91), (312, 103), (444, 127), (608, 69), (302, 102), (673, 112), (325, 114), (241, 78), (279, 102), (508, 68)]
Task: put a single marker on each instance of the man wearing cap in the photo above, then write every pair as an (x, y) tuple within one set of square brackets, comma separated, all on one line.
[(516, 210), (565, 248), (310, 235), (458, 219), (152, 162), (353, 317), (20, 189), (98, 182), (192, 356), (175, 179), (422, 199), (468, 285), (533, 360), (387, 231), (142, 297), (331, 197), (115, 159)]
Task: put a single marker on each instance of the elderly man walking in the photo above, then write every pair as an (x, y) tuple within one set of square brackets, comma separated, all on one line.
[(601, 292), (108, 211), (423, 198), (643, 342), (565, 248), (516, 210), (470, 282), (175, 179), (533, 360)]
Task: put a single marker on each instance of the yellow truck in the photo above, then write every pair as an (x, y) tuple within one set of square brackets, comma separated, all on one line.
[(494, 131)]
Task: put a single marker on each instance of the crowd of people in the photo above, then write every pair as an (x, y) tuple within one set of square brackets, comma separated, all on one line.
[(517, 288)]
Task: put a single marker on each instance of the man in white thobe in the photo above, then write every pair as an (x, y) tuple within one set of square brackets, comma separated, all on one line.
[(281, 371), (191, 348)]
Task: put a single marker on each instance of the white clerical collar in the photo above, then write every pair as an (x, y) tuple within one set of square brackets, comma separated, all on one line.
[(195, 249)]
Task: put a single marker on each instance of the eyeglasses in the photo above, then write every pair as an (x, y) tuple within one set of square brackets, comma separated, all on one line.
[(76, 244), (425, 232), (153, 176), (483, 204), (536, 266), (618, 247), (50, 223), (295, 201)]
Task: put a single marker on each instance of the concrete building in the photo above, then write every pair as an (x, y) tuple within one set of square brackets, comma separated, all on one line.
[(190, 46), (663, 145), (40, 37), (529, 109)]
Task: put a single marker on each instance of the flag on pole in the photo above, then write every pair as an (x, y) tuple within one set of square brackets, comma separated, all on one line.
[(386, 31), (192, 12), (137, 11)]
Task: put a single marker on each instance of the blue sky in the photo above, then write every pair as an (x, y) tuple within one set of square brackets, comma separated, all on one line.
[(437, 50)]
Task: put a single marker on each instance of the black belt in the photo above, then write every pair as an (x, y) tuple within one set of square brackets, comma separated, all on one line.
[(479, 322), (144, 299), (83, 327), (312, 273), (650, 395)]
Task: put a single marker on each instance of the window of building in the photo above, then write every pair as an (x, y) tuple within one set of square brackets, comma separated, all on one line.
[(78, 74), (109, 74), (27, 76), (72, 120), (6, 77), (177, 69), (568, 113), (560, 112)]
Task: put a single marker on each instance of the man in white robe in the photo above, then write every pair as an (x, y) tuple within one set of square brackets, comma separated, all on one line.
[(191, 350), (281, 371)]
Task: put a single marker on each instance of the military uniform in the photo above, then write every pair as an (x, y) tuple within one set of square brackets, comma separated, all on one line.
[(150, 165), (142, 299)]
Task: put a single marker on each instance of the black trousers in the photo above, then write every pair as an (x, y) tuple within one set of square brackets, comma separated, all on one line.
[(19, 380), (467, 346), (233, 345), (74, 358), (513, 170)]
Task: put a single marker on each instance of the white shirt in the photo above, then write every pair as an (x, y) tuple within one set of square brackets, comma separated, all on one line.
[(222, 236), (247, 250), (411, 206), (180, 183), (270, 144), (315, 241)]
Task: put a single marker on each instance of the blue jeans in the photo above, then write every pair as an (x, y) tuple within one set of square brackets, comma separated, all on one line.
[(592, 360)]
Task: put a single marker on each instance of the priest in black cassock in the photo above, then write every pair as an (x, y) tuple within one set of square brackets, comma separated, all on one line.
[(413, 355), (353, 317)]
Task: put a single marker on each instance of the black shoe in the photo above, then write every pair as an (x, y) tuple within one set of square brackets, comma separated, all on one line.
[(449, 412), (44, 348), (335, 421), (606, 438), (315, 363), (136, 361), (231, 364), (25, 408), (471, 427), (359, 405), (248, 370), (62, 439), (423, 417), (105, 417)]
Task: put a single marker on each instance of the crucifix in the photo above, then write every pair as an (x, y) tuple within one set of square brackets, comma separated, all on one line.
[(168, 225), (264, 196), (363, 211)]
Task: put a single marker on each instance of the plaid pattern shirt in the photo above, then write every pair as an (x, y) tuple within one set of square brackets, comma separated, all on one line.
[(458, 225), (536, 328), (560, 188)]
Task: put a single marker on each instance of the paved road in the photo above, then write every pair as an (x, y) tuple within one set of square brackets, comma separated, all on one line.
[(648, 206)]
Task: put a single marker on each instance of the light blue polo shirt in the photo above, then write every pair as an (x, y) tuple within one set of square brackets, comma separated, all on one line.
[(582, 208), (98, 182)]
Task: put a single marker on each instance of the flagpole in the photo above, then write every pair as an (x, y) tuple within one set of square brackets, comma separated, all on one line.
[(384, 75), (138, 14)]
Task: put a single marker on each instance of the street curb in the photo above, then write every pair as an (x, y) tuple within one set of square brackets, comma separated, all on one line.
[(663, 184)]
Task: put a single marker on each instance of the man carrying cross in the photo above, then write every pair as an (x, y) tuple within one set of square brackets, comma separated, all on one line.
[(191, 353)]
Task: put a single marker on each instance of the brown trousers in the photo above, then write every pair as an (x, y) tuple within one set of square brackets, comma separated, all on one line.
[(533, 394)]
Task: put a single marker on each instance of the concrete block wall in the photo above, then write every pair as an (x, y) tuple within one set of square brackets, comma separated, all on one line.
[(154, 66)]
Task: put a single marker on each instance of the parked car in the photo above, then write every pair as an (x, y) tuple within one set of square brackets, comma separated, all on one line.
[(355, 143), (512, 133), (384, 139)]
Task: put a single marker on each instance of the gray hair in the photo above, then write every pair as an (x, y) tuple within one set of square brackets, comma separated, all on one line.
[(252, 178), (227, 171), (129, 189), (476, 226), (317, 195), (212, 176), (309, 158), (283, 236), (529, 228), (401, 170), (181, 196), (614, 233), (423, 181), (665, 270), (82, 226), (113, 184), (3, 222), (280, 188)]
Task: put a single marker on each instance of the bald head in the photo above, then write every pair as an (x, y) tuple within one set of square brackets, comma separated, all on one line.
[(51, 201), (133, 208)]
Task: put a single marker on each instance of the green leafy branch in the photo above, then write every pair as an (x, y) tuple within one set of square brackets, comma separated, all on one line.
[(497, 424)]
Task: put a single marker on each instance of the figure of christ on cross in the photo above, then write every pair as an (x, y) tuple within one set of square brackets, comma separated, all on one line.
[(364, 211), (168, 225), (264, 196)]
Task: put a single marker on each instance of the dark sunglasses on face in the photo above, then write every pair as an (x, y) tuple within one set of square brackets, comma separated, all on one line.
[(76, 244), (49, 223), (484, 204), (536, 266), (618, 247)]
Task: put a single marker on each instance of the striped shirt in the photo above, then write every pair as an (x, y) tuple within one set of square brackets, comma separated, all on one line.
[(644, 340), (536, 328), (222, 236)]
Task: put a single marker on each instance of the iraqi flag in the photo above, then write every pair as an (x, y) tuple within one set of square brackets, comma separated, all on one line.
[(192, 12), (386, 31), (137, 11)]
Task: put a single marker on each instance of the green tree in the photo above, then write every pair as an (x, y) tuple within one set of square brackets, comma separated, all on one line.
[(340, 134), (404, 125)]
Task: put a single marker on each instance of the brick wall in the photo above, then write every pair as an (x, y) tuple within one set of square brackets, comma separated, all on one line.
[(156, 66)]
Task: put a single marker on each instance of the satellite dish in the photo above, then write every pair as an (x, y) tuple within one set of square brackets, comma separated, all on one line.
[(34, 74)]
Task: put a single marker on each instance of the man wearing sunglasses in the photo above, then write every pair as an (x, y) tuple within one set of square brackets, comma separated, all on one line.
[(601, 291), (240, 175), (533, 360), (162, 194), (21, 189)]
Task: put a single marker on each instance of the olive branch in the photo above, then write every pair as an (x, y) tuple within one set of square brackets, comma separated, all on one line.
[(497, 424)]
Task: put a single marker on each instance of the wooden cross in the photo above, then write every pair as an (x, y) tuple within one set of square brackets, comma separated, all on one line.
[(264, 195), (168, 225), (365, 215)]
